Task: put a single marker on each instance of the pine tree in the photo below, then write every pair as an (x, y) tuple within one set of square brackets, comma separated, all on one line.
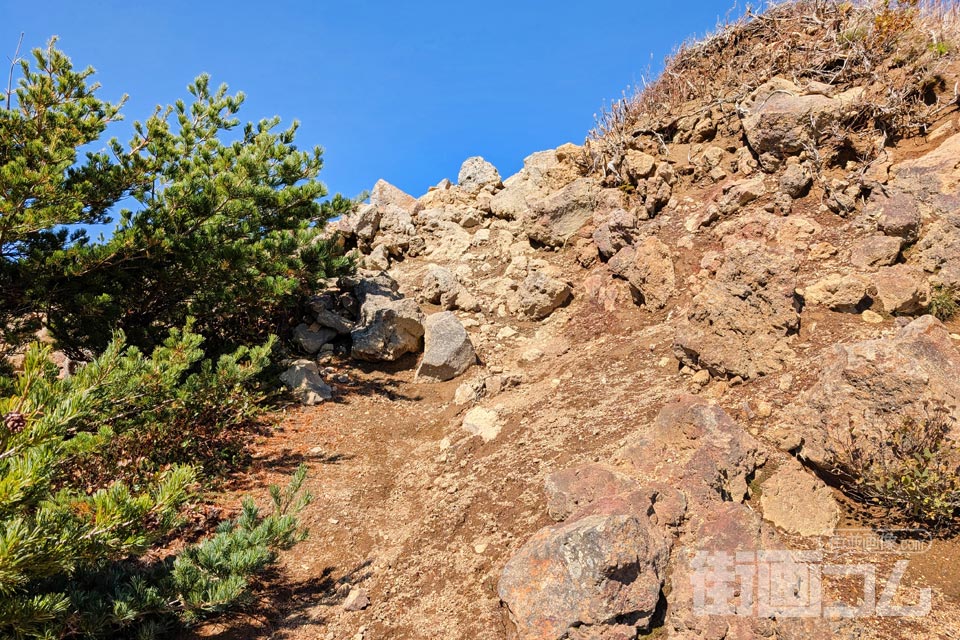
[(71, 560), (43, 185), (224, 225)]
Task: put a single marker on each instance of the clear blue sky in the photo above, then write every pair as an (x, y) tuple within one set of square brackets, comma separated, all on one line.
[(394, 89)]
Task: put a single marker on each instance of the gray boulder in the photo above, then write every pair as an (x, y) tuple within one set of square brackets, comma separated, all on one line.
[(311, 341), (331, 320), (389, 326), (440, 286), (476, 173), (796, 181), (304, 381), (448, 351), (388, 329)]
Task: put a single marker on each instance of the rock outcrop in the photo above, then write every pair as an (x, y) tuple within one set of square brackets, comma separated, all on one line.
[(739, 323)]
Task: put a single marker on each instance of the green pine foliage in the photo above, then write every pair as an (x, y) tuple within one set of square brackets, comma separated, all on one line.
[(221, 239), (72, 559), (43, 183), (224, 222), (173, 407)]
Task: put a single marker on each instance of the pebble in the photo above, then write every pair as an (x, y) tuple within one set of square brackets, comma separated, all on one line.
[(701, 378), (764, 409), (357, 600), (871, 317)]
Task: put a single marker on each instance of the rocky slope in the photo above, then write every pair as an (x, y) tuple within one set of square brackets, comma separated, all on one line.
[(548, 396)]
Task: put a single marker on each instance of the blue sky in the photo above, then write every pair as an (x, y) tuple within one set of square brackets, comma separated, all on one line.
[(399, 90)]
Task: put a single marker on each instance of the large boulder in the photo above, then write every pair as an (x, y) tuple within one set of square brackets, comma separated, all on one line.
[(896, 214), (543, 173), (864, 389), (875, 251), (738, 324), (594, 489), (938, 251), (361, 225), (304, 381), (615, 232), (440, 286), (560, 215), (311, 340), (447, 351), (540, 295), (476, 174), (933, 179), (599, 577), (385, 194), (799, 502), (844, 293), (781, 118), (696, 447), (389, 326)]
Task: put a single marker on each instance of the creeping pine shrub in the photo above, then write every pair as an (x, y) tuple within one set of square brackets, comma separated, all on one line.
[(914, 471), (72, 557), (174, 406)]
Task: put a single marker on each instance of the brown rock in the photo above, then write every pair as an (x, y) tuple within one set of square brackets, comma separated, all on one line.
[(540, 295), (897, 215), (648, 268), (595, 575), (866, 387), (799, 502), (901, 289), (738, 323), (875, 251), (844, 293), (560, 215)]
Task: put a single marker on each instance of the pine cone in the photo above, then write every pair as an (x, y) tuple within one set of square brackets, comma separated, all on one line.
[(14, 422)]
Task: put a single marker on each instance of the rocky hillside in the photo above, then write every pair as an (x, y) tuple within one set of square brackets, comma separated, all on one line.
[(563, 404)]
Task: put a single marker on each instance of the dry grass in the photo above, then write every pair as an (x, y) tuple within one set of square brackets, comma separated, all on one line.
[(895, 50)]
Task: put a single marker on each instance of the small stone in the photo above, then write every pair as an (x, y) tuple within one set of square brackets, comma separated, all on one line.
[(786, 381), (506, 333), (482, 422), (480, 548), (871, 317), (531, 355), (357, 600), (701, 378), (764, 409)]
